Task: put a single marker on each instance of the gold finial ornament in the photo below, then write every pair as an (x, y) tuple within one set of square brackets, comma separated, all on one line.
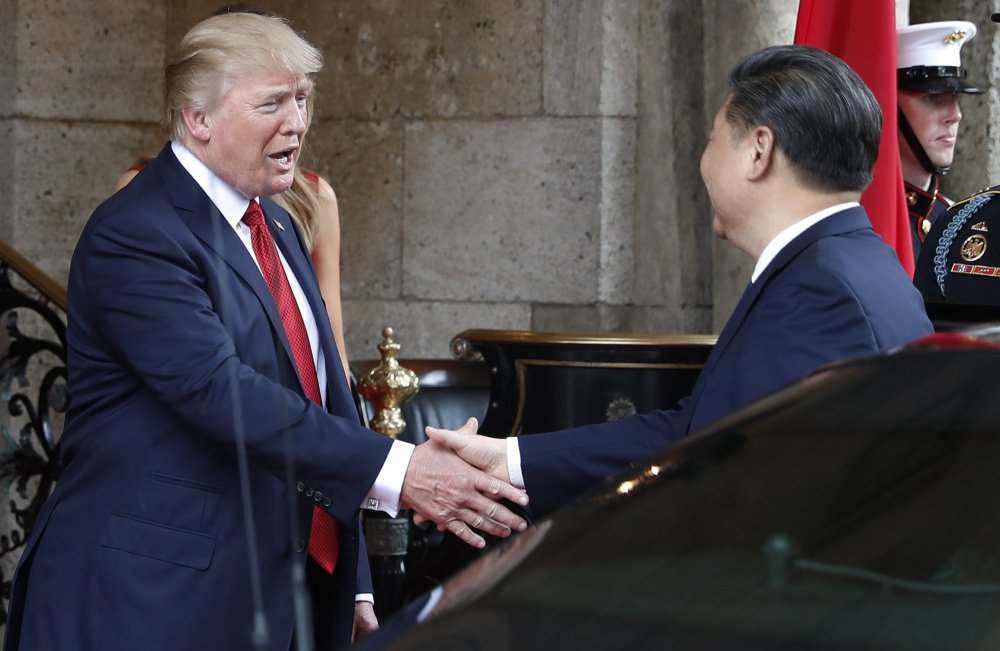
[(387, 386)]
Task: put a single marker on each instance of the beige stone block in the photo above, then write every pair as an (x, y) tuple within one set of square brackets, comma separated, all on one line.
[(182, 15), (744, 27), (576, 318), (622, 319), (671, 319), (89, 59), (62, 171), (590, 57), (426, 58), (423, 329), (363, 163), (507, 211)]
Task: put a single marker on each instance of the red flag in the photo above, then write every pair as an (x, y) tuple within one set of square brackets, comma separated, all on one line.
[(863, 33)]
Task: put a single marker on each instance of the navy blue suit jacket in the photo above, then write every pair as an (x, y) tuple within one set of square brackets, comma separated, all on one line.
[(836, 291), (177, 358)]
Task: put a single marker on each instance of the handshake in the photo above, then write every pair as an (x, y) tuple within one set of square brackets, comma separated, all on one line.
[(457, 480)]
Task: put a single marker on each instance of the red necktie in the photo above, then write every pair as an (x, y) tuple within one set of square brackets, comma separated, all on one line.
[(324, 546)]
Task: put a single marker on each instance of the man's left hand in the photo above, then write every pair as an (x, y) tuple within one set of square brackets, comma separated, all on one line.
[(365, 621)]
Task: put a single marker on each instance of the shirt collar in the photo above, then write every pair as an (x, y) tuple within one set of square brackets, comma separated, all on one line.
[(784, 238), (230, 202)]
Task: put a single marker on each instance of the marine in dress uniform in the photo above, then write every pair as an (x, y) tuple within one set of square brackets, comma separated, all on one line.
[(930, 76), (960, 261)]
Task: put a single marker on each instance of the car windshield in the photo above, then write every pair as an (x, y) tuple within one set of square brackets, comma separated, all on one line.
[(856, 510)]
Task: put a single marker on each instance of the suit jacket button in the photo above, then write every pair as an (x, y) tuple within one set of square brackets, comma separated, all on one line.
[(309, 492), (300, 545), (318, 496), (301, 486), (327, 501)]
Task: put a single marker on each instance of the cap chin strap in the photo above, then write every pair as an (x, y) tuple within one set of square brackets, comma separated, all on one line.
[(917, 148)]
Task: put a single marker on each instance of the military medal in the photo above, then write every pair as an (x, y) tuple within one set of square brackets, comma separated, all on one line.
[(973, 247)]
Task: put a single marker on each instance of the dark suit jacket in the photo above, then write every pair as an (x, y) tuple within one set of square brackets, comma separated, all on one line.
[(177, 362), (836, 291)]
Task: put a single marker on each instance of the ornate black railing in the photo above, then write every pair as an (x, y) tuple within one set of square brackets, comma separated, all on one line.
[(33, 386)]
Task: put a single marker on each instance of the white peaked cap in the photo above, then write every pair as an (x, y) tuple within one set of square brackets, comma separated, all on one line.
[(933, 44)]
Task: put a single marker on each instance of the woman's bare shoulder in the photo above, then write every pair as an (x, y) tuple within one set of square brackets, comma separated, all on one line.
[(325, 190)]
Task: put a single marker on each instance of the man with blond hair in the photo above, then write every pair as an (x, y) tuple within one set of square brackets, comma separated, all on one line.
[(214, 466)]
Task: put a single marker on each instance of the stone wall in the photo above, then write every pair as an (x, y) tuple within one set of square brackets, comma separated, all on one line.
[(81, 85), (528, 164)]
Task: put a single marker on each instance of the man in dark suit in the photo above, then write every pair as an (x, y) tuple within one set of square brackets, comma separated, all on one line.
[(790, 152), (211, 445)]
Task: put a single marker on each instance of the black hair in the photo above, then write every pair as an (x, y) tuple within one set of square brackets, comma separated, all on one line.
[(825, 120)]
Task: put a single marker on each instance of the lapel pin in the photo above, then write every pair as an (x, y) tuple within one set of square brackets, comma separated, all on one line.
[(278, 224)]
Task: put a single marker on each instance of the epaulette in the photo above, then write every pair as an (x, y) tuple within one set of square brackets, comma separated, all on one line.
[(959, 214), (988, 190)]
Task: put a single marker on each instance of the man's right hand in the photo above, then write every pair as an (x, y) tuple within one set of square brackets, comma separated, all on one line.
[(484, 452), (441, 487)]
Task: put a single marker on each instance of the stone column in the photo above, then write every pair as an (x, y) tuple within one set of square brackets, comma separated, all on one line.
[(673, 262)]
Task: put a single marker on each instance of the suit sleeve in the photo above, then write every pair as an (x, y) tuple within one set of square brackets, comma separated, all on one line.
[(558, 466), (799, 324)]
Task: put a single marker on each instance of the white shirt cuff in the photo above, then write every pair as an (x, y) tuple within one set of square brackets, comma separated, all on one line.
[(514, 463), (365, 596), (384, 494)]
